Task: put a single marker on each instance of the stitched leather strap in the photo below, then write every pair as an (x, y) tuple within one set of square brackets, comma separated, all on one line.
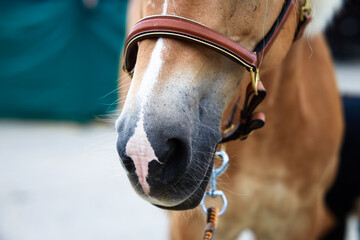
[(264, 44), (188, 30)]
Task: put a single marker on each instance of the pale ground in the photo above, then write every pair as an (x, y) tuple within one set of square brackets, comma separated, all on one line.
[(63, 181)]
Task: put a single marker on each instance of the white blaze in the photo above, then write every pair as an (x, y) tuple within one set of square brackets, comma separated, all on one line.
[(139, 147), (164, 7), (141, 152)]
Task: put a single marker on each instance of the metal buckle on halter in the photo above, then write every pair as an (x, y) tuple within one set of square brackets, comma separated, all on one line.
[(305, 10), (255, 76), (232, 126)]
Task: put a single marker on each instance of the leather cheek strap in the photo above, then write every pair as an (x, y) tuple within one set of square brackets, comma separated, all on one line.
[(301, 27)]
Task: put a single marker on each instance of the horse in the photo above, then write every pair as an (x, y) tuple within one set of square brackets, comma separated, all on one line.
[(183, 93)]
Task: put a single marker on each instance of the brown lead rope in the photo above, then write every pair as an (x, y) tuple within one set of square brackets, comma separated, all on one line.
[(211, 223)]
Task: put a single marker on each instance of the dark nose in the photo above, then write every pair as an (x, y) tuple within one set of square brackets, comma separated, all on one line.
[(173, 155), (173, 164)]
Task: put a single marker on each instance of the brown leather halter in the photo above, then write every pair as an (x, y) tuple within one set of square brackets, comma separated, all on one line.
[(176, 27)]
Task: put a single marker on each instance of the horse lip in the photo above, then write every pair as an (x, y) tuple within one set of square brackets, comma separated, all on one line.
[(193, 200), (190, 202)]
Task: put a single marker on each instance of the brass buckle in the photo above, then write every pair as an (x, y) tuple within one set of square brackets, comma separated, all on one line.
[(255, 76), (305, 10), (232, 126)]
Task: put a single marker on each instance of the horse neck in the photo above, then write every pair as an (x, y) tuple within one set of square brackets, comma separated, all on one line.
[(302, 105), (290, 82), (293, 85)]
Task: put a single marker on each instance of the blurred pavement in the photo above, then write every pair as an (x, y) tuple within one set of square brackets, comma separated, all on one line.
[(64, 181)]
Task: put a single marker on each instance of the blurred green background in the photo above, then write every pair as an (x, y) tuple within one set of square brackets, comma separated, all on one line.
[(59, 59)]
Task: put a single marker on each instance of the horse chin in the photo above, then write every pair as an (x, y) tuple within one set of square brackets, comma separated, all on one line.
[(193, 200)]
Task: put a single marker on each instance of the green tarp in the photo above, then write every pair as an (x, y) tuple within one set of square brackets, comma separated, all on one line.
[(59, 59)]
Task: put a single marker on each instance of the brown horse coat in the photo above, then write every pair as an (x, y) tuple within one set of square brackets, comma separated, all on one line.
[(277, 178)]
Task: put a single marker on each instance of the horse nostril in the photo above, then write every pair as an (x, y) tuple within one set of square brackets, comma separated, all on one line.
[(175, 162), (177, 150), (128, 163), (171, 146)]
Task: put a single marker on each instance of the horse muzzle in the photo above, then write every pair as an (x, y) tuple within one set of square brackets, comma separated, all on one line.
[(163, 162)]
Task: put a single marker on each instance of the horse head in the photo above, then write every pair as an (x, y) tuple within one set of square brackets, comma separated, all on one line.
[(170, 124)]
